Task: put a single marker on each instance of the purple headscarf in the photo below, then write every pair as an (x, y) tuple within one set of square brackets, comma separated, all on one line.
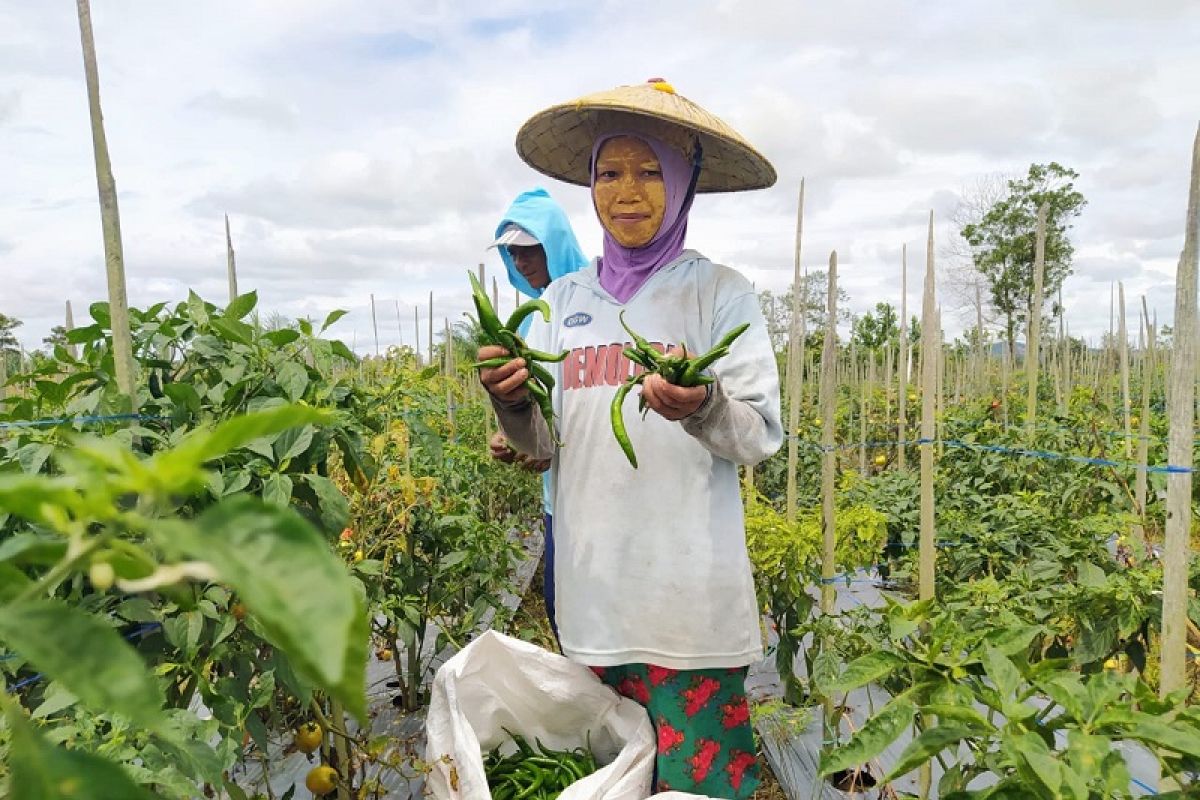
[(624, 270)]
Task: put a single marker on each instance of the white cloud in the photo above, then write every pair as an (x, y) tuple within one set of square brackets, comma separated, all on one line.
[(367, 148), (263, 110)]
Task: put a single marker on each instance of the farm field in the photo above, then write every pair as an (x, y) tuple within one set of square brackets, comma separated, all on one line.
[(237, 550)]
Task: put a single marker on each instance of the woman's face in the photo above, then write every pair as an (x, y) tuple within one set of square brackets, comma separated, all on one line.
[(629, 193)]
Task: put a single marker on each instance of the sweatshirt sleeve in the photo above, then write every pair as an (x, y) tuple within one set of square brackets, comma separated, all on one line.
[(740, 421), (524, 427)]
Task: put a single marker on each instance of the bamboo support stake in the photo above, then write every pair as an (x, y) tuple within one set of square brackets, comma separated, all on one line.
[(902, 363), (939, 380), (374, 325), (862, 423), (110, 217), (979, 377), (1143, 445), (1180, 442), (795, 364), (399, 325), (1033, 339), (1123, 345), (417, 333), (828, 392), (928, 395), (70, 326), (431, 328), (230, 263)]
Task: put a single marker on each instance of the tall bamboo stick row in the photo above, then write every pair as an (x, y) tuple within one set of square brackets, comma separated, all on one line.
[(1180, 443)]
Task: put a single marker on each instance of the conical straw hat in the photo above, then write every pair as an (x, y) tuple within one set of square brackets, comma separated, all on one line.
[(558, 141)]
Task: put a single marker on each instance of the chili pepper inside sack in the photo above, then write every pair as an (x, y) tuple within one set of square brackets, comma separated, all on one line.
[(650, 562), (498, 685)]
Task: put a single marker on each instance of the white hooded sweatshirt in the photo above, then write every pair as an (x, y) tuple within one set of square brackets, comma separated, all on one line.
[(651, 563)]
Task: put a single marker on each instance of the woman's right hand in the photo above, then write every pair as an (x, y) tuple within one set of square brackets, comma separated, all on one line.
[(507, 382)]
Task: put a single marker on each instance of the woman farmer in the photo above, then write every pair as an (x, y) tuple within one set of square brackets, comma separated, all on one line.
[(537, 246), (653, 583)]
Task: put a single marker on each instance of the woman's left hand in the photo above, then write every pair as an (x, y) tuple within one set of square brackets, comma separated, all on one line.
[(670, 401)]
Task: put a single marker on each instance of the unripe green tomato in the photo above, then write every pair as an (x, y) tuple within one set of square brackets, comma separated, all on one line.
[(102, 575)]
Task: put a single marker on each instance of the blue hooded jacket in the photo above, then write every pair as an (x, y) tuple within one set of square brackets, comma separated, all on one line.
[(542, 218)]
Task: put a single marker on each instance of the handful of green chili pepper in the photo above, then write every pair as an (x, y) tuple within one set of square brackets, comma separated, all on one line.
[(540, 382), (535, 772), (679, 370)]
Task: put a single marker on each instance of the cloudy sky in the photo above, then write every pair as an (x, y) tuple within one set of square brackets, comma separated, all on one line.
[(367, 147)]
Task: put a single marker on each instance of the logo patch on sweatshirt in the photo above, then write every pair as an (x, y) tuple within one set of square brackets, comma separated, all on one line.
[(577, 319)]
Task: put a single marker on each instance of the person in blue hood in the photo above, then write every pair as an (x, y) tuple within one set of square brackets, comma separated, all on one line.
[(537, 245)]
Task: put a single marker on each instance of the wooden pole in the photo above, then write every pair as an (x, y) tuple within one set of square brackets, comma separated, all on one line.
[(374, 324), (1033, 340), (795, 364), (928, 395), (230, 263), (902, 363), (399, 325), (828, 391), (1179, 447), (431, 327), (70, 326), (1123, 345), (979, 379), (1143, 445), (417, 333), (110, 217)]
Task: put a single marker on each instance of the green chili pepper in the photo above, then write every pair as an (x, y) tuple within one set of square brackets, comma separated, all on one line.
[(542, 375), (618, 419), (549, 358), (733, 335), (492, 363), (488, 319), (524, 310)]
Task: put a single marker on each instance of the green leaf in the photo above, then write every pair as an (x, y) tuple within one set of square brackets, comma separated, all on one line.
[(825, 670), (97, 666), (181, 464), (30, 548), (1003, 673), (99, 312), (183, 394), (234, 331), (293, 379), (12, 582), (1036, 764), (197, 308), (1179, 738), (296, 588), (964, 715), (277, 490), (866, 669), (333, 317), (41, 771), (305, 326), (242, 305), (926, 746), (331, 504), (340, 349), (282, 337), (872, 739), (292, 443), (28, 496), (89, 333), (54, 700)]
